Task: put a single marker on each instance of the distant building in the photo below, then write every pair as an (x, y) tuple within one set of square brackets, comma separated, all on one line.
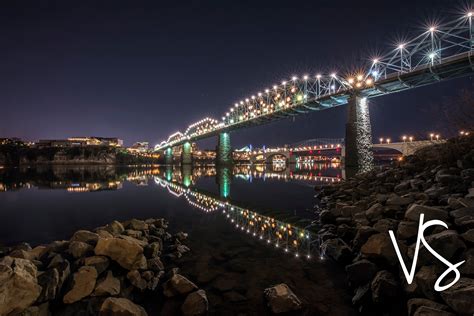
[(11, 141), (80, 142), (140, 147)]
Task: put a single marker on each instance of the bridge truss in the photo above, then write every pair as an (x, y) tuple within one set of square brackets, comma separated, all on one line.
[(441, 52)]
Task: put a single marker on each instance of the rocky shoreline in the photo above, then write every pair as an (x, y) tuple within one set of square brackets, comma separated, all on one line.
[(123, 268), (357, 214)]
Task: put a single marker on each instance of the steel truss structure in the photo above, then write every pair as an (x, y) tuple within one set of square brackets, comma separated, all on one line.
[(440, 53)]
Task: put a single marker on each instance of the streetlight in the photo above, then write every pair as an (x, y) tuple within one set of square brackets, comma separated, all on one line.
[(410, 138), (404, 138), (381, 140), (388, 140), (437, 136), (431, 136)]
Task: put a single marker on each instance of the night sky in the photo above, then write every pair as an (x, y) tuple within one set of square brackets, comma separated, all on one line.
[(140, 70)]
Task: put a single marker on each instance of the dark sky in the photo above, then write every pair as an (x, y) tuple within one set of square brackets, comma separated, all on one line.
[(140, 70)]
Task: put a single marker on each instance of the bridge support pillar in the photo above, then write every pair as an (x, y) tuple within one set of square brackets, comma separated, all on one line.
[(224, 150), (168, 156), (358, 143), (186, 154)]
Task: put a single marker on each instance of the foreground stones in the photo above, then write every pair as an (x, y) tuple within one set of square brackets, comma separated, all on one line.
[(105, 272), (357, 214), (281, 299)]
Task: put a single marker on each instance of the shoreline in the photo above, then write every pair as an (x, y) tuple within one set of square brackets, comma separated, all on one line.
[(357, 214)]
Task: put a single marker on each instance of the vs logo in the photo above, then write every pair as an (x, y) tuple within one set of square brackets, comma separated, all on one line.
[(421, 229)]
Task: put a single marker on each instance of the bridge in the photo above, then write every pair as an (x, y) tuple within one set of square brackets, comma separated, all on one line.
[(441, 52), (330, 148)]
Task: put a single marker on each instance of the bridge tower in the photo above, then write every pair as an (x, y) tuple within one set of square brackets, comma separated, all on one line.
[(168, 156), (358, 143), (186, 154), (224, 150)]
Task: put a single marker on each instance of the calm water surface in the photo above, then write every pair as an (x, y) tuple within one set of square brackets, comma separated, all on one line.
[(249, 226)]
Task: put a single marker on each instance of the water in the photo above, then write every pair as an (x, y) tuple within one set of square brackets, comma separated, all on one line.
[(250, 227)]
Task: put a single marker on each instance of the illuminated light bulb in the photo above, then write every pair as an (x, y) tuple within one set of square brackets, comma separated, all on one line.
[(246, 100), (318, 76), (358, 85), (266, 90), (360, 77), (350, 80), (432, 29), (401, 46), (375, 61), (369, 81), (470, 14), (333, 75), (275, 87), (283, 82), (432, 55), (305, 77), (253, 97), (259, 94), (294, 78)]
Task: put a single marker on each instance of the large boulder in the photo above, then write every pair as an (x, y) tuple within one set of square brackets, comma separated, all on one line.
[(115, 228), (126, 253), (83, 285), (113, 306), (446, 243), (379, 246), (79, 249), (195, 304), (281, 299), (178, 285), (18, 285), (85, 236), (360, 272), (337, 249), (49, 282), (415, 303), (460, 296), (100, 263)]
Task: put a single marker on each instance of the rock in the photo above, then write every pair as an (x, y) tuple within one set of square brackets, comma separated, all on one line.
[(360, 272), (18, 286), (136, 224), (126, 253), (384, 287), (379, 246), (386, 224), (447, 243), (136, 279), (407, 230), (178, 285), (40, 310), (155, 264), (152, 250), (195, 304), (374, 212), (181, 236), (281, 299), (110, 286), (398, 200), (133, 233), (100, 263), (362, 293), (414, 211), (49, 282), (429, 311), (337, 249), (141, 243), (415, 303), (115, 228), (79, 249), (104, 233), (362, 235), (83, 285), (121, 306), (85, 236), (468, 236), (234, 297), (350, 210), (425, 280), (467, 268), (460, 296)]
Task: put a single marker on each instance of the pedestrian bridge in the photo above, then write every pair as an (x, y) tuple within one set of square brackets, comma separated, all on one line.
[(439, 53)]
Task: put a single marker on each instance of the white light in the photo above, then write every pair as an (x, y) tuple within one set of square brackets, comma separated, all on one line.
[(375, 73), (305, 77), (432, 29), (266, 90), (375, 61), (333, 75), (470, 14), (432, 55), (318, 76), (401, 46), (294, 78), (283, 82)]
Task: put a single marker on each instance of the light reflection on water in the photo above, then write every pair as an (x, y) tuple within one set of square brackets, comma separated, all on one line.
[(207, 189)]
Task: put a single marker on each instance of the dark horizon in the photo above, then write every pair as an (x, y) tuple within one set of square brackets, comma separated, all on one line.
[(140, 73)]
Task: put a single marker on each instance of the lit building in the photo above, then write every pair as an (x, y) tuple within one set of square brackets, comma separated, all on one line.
[(141, 147), (80, 142)]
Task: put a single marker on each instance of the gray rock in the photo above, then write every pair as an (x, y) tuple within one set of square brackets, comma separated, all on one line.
[(195, 304), (178, 285), (121, 306), (337, 249), (384, 287), (109, 285), (85, 236), (281, 299), (18, 286), (83, 285), (126, 253), (460, 296), (430, 213)]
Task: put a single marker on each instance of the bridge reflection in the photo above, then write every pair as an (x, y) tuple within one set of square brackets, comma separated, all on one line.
[(296, 238)]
